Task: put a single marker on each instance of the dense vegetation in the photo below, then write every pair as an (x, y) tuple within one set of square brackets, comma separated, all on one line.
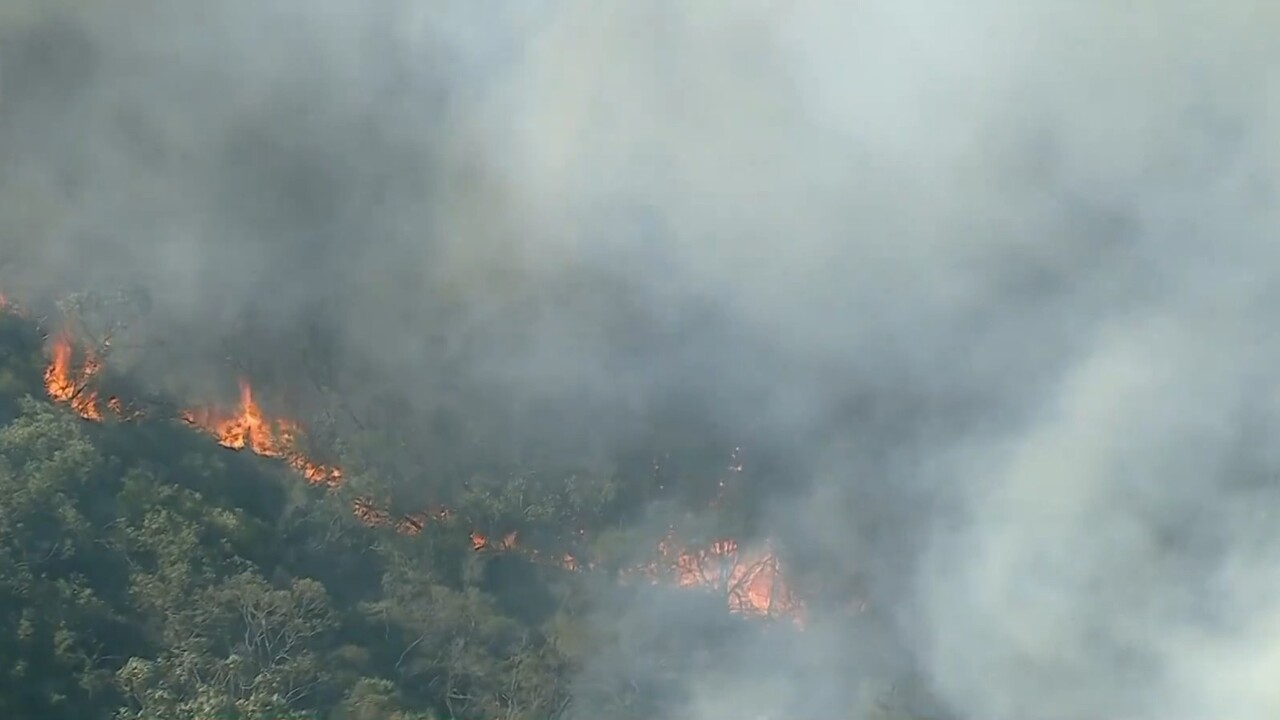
[(145, 572)]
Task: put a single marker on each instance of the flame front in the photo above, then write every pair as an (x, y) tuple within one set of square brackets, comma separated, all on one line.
[(249, 429), (752, 582), (68, 385)]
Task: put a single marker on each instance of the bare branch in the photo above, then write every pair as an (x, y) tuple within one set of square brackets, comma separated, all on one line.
[(412, 645)]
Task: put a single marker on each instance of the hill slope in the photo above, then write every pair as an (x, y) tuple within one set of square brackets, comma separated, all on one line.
[(147, 572)]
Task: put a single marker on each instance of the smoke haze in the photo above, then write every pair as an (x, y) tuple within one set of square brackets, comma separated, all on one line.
[(991, 283)]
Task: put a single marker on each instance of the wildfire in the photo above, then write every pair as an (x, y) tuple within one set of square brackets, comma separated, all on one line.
[(116, 405), (751, 582), (249, 429), (480, 541), (371, 515), (68, 384)]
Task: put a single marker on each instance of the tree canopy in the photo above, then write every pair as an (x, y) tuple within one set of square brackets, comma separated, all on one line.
[(147, 572)]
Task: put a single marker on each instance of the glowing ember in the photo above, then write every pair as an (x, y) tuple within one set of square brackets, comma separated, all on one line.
[(248, 429), (117, 406), (479, 541), (367, 513), (751, 581), (412, 524), (67, 384)]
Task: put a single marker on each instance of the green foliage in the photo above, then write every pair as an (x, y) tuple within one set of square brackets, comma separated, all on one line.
[(20, 363), (56, 581), (148, 574)]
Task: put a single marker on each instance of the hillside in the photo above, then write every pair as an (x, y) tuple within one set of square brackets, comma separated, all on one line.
[(572, 360), (151, 572)]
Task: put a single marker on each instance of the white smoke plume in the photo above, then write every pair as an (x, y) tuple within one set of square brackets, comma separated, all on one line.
[(999, 276)]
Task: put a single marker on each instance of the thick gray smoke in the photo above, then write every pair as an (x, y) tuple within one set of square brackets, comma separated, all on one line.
[(997, 275)]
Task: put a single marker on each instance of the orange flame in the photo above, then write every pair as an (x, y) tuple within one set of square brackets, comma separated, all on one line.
[(373, 516), (117, 406), (480, 541), (249, 429), (752, 583), (69, 385)]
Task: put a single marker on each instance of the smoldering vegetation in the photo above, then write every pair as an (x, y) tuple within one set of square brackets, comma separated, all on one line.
[(985, 293)]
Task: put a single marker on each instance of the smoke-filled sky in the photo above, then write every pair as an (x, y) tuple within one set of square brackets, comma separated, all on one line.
[(997, 275)]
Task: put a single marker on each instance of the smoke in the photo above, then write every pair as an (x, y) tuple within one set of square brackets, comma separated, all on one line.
[(990, 281)]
